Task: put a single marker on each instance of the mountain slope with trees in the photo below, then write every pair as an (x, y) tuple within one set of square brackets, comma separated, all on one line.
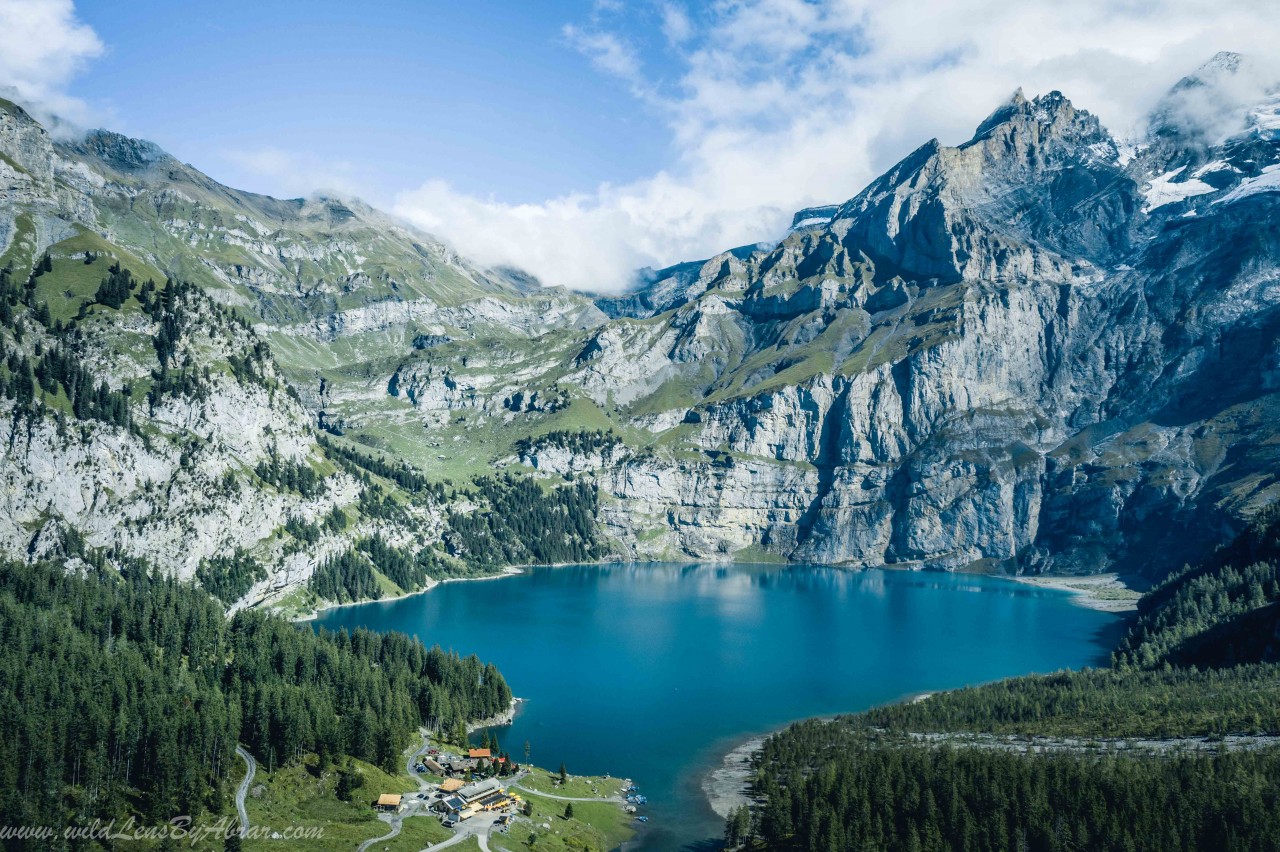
[(1177, 746), (1042, 349), (125, 693)]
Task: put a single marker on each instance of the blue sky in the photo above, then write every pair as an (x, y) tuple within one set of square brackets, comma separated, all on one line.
[(489, 94), (584, 139)]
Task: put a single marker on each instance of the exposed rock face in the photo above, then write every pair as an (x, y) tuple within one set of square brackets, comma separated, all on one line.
[(1042, 349), (1027, 350)]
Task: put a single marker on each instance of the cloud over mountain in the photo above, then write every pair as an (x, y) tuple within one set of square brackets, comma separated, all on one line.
[(776, 104), (45, 45)]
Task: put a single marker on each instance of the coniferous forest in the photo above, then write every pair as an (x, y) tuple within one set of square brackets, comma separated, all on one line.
[(1172, 748), (126, 693)]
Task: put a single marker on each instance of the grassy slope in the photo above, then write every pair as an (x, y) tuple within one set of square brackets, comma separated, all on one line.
[(299, 796)]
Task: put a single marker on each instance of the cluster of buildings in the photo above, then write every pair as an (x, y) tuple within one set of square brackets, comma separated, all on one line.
[(451, 765), (460, 802)]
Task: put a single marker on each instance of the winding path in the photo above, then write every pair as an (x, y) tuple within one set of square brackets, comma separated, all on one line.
[(457, 838), (395, 829), (1135, 746), (251, 767), (413, 758)]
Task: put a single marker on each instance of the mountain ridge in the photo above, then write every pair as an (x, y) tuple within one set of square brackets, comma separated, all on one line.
[(1042, 349)]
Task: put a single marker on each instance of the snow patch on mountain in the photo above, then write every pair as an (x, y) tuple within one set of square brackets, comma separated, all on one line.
[(1164, 190), (1267, 181)]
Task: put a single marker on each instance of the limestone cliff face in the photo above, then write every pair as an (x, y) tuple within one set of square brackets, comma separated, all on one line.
[(1017, 351), (178, 486), (1041, 349)]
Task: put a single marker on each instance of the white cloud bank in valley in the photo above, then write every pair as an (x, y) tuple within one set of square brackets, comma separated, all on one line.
[(42, 46), (778, 104)]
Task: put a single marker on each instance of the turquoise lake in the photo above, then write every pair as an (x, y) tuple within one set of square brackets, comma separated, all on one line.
[(654, 672)]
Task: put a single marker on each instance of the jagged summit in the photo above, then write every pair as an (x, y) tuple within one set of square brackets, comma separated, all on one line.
[(122, 152), (1223, 64), (1003, 112), (1007, 203), (1031, 349)]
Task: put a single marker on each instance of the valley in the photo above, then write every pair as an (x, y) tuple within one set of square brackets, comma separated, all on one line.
[(249, 442), (1023, 373)]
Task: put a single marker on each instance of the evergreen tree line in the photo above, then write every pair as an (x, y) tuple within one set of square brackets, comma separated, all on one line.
[(251, 367), (360, 465), (897, 796), (167, 309), (116, 287), (302, 532), (378, 504), (229, 578), (125, 693), (578, 442), (350, 576), (59, 367), (1223, 611), (1200, 660), (1158, 703), (346, 577), (54, 367), (400, 566), (11, 296), (289, 475), (522, 524)]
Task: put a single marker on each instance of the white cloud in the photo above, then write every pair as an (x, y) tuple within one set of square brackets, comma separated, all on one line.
[(606, 51), (298, 174), (783, 103), (676, 25), (42, 47)]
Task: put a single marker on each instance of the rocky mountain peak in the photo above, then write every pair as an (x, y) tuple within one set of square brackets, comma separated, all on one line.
[(122, 152), (24, 142), (1220, 99), (1039, 130), (1017, 101), (15, 111), (812, 217), (1026, 349), (997, 206)]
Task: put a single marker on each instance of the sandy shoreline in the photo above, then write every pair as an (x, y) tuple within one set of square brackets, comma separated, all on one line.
[(1105, 592), (726, 786)]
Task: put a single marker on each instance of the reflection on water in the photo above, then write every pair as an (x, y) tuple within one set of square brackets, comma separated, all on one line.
[(653, 671)]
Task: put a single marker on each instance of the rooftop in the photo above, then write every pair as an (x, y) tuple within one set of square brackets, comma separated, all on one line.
[(479, 789)]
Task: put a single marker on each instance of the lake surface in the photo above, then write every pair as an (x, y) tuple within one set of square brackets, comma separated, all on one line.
[(653, 672)]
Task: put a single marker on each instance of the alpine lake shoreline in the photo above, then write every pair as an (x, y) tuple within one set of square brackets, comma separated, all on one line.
[(726, 784)]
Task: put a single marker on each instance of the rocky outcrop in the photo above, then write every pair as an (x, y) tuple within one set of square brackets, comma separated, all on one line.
[(1060, 373), (1041, 349)]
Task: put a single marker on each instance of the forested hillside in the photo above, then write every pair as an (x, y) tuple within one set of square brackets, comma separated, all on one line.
[(1176, 747), (125, 692)]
